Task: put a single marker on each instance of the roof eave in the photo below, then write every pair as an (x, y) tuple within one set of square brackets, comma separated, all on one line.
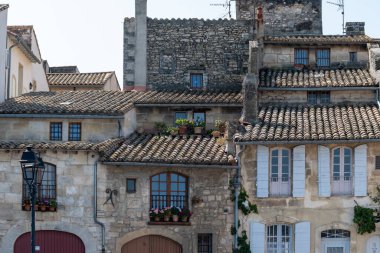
[(171, 165), (305, 142), (184, 105), (62, 116), (318, 88)]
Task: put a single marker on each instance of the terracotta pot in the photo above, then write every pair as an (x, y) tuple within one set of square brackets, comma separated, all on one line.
[(156, 218), (175, 218), (43, 208), (166, 218), (51, 209), (27, 207), (182, 130), (198, 130), (184, 218), (216, 134), (35, 207)]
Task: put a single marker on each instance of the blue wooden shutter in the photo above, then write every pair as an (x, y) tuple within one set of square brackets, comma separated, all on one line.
[(299, 171), (262, 171), (360, 171), (257, 237), (302, 240), (324, 187)]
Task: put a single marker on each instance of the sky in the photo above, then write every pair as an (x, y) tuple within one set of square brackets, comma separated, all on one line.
[(89, 33)]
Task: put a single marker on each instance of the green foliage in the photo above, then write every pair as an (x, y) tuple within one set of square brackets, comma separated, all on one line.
[(199, 124), (243, 243), (364, 219), (182, 122), (243, 200)]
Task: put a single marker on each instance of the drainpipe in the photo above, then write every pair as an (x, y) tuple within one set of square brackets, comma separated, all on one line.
[(9, 71), (377, 98), (96, 206), (237, 190)]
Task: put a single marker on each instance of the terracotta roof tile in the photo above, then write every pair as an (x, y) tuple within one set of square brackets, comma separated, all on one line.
[(81, 79), (195, 150), (314, 123), (271, 78), (319, 39), (74, 146)]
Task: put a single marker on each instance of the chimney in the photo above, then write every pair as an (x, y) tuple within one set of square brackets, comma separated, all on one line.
[(355, 28), (140, 67), (250, 103)]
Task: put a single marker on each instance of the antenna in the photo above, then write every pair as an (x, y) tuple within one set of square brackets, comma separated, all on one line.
[(226, 5), (340, 5)]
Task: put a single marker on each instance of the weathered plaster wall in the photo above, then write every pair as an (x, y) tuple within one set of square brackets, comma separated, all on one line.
[(216, 48), (131, 212), (323, 213), (284, 17), (3, 52)]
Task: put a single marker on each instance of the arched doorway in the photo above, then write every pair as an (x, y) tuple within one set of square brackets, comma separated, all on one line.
[(50, 241), (335, 241), (373, 244), (150, 244)]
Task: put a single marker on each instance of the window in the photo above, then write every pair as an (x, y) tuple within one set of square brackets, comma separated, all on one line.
[(74, 131), (131, 185), (323, 57), (301, 56), (56, 131), (342, 171), (377, 163), (199, 117), (279, 238), (280, 172), (204, 243), (318, 97), (47, 189), (20, 79), (180, 115), (335, 241), (196, 81), (169, 189), (353, 56)]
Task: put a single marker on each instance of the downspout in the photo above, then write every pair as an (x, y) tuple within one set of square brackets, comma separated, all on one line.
[(9, 71), (377, 98), (96, 206), (237, 191)]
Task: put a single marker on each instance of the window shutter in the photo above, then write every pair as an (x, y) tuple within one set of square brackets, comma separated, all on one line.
[(257, 237), (324, 187), (360, 171), (299, 171), (302, 239), (262, 171)]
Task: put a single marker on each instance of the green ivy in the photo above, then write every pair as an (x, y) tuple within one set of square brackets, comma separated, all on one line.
[(243, 243), (365, 219)]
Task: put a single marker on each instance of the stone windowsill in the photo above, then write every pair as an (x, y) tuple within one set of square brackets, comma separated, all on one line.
[(169, 223)]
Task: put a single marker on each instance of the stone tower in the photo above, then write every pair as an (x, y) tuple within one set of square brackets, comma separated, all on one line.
[(284, 17)]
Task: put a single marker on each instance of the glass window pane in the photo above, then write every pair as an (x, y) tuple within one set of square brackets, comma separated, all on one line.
[(174, 186), (163, 177), (199, 117), (275, 152), (174, 177), (162, 186)]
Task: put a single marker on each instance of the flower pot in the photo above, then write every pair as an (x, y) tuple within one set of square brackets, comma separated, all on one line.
[(182, 130), (166, 218), (51, 208), (175, 218), (216, 134), (198, 130), (43, 208), (184, 218), (35, 207), (157, 218), (27, 207)]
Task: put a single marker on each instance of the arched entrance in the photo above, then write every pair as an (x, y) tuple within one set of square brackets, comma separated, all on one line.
[(50, 241), (150, 244)]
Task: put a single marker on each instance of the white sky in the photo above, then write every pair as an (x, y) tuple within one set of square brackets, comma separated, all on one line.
[(89, 33)]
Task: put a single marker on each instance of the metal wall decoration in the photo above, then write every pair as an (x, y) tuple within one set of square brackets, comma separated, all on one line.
[(110, 196)]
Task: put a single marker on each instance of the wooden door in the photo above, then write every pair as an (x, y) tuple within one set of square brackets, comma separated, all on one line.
[(152, 244), (50, 241)]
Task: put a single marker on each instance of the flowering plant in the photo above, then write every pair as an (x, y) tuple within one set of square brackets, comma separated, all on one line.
[(175, 210), (167, 211), (155, 212), (185, 212)]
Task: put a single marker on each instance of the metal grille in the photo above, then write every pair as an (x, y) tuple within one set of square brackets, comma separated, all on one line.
[(56, 131), (74, 131), (47, 190), (335, 233), (301, 56), (323, 57), (204, 243)]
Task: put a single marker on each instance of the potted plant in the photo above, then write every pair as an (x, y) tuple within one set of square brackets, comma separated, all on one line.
[(156, 214), (52, 205), (215, 133), (36, 205), (199, 126), (220, 125), (182, 125), (175, 213), (160, 128), (185, 214), (167, 213), (43, 205), (26, 205), (173, 131)]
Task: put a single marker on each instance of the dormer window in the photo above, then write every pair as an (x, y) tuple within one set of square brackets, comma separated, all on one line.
[(323, 57), (318, 97), (196, 81), (301, 56)]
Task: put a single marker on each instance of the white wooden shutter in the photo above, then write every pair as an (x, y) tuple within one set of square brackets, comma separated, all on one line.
[(302, 239), (257, 237), (360, 171), (324, 187), (299, 171), (262, 171)]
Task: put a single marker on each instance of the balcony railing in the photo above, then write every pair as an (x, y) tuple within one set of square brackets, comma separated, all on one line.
[(162, 201)]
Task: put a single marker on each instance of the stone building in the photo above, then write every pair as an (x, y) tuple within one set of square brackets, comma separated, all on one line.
[(3, 45)]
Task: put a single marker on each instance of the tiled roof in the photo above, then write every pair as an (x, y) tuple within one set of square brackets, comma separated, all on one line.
[(21, 145), (190, 97), (71, 102), (314, 123), (271, 78), (318, 39), (195, 150), (79, 79), (23, 40)]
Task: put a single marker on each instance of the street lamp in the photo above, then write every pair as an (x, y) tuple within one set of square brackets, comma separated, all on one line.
[(32, 168)]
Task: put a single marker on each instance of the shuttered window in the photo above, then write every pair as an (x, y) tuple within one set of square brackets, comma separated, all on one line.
[(301, 56), (279, 238), (342, 171), (323, 57), (280, 176)]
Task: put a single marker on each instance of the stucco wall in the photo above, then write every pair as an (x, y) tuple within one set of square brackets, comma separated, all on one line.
[(3, 52), (323, 213)]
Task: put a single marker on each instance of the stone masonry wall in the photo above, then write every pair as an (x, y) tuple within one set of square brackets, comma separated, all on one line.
[(218, 49), (131, 212), (284, 17)]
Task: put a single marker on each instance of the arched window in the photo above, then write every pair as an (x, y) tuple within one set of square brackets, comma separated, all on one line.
[(335, 240), (169, 189), (280, 176), (342, 171)]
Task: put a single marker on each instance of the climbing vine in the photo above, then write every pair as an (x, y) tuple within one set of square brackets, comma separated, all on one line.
[(365, 219), (246, 207)]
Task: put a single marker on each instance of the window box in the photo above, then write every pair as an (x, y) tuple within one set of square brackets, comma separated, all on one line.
[(169, 223)]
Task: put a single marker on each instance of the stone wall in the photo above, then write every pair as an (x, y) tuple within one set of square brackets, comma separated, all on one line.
[(131, 212), (149, 116), (284, 17), (218, 49), (323, 213)]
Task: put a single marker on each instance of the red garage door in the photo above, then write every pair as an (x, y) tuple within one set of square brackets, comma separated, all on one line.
[(50, 241)]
